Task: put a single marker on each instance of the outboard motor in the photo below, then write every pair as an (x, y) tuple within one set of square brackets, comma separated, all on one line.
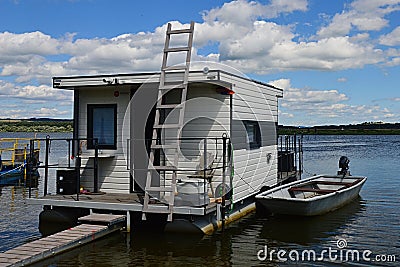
[(344, 166)]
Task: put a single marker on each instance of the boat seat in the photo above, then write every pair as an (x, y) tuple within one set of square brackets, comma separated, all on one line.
[(313, 190), (346, 184)]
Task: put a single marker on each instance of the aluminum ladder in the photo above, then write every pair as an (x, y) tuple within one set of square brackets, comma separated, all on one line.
[(159, 125)]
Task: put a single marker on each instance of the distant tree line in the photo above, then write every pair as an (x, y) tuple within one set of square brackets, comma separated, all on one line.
[(363, 128), (36, 125)]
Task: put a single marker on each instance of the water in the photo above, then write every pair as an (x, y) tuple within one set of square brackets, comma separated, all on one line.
[(372, 222)]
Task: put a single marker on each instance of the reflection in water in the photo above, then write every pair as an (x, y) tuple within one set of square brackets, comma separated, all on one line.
[(308, 230)]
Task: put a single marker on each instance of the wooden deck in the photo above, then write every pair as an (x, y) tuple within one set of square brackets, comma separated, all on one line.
[(112, 201), (52, 245)]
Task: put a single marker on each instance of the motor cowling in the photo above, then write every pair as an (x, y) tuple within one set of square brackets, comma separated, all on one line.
[(344, 165)]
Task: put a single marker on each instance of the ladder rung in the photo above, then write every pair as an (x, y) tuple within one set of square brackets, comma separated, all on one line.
[(165, 168), (177, 49), (180, 31), (164, 146), (169, 106), (179, 67), (167, 126), (159, 189), (172, 86)]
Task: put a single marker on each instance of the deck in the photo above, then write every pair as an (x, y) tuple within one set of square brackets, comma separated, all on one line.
[(113, 201)]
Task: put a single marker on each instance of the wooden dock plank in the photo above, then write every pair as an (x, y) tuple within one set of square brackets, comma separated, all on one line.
[(35, 245), (49, 246), (102, 218), (7, 261), (27, 248)]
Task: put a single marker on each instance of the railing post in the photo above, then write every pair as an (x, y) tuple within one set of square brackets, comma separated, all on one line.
[(46, 165), (223, 180), (295, 152), (78, 175), (95, 167), (230, 168), (205, 164), (69, 153), (300, 155), (30, 164)]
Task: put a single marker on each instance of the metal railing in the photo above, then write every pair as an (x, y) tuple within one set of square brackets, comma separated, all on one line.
[(17, 148), (207, 159), (74, 160), (290, 156)]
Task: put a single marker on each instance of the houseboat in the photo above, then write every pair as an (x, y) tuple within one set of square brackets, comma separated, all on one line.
[(178, 150)]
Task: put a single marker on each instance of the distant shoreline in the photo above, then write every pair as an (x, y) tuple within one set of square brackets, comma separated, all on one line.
[(46, 125), (356, 129), (36, 125)]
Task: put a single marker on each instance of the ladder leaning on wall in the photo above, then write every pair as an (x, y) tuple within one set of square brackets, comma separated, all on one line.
[(160, 125)]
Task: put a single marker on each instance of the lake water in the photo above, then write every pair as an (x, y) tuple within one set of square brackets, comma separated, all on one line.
[(372, 222)]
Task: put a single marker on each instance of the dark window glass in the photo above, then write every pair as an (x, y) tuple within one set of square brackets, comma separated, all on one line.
[(253, 134), (102, 124)]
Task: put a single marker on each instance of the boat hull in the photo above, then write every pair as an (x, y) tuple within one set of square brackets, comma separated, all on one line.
[(17, 176), (310, 206)]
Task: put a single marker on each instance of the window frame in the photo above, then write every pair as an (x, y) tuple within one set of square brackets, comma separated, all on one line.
[(90, 110), (256, 133)]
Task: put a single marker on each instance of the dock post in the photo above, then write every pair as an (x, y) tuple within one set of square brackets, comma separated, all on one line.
[(128, 221)]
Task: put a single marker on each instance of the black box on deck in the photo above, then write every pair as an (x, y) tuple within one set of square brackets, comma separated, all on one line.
[(66, 182)]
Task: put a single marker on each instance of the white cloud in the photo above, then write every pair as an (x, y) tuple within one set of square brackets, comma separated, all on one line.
[(32, 93), (25, 113), (392, 38), (363, 15), (21, 47), (303, 97), (342, 79), (243, 12), (303, 106)]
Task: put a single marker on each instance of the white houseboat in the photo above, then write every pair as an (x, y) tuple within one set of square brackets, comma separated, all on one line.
[(179, 150)]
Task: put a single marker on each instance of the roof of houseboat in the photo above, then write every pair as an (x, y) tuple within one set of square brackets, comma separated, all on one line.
[(210, 76)]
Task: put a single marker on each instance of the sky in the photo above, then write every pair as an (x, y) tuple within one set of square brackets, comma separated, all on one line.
[(338, 62)]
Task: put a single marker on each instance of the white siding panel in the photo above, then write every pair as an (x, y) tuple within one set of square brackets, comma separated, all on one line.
[(252, 171)]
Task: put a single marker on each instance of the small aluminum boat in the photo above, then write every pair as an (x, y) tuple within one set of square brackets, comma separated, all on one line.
[(315, 195)]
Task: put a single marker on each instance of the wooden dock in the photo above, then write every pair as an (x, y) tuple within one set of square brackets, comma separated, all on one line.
[(93, 227)]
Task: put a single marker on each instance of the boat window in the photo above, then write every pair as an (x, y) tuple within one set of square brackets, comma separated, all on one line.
[(102, 124), (253, 134)]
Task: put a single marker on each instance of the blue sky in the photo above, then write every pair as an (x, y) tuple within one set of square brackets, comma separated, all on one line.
[(337, 61)]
